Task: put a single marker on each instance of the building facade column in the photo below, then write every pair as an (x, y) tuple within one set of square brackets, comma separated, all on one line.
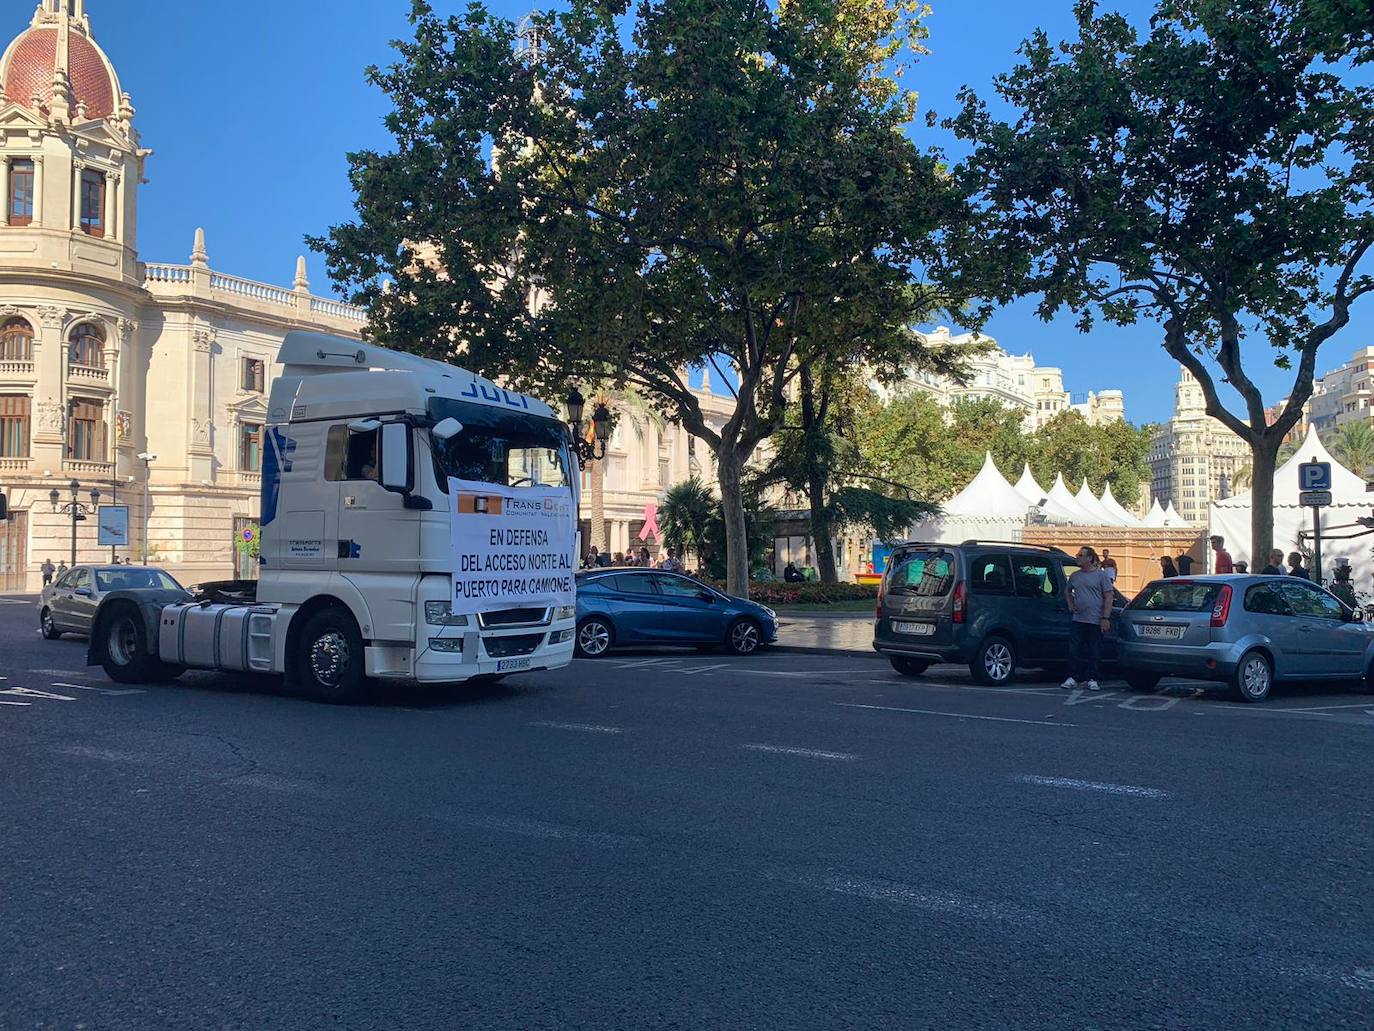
[(38, 185), (49, 417), (199, 443)]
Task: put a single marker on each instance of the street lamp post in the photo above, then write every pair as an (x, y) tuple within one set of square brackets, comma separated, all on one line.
[(593, 450), (147, 458), (75, 508)]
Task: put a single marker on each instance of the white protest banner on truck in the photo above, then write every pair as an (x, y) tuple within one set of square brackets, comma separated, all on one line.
[(513, 547)]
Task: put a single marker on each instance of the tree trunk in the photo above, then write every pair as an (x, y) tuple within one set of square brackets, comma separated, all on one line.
[(728, 474), (1264, 454), (598, 506), (820, 529)]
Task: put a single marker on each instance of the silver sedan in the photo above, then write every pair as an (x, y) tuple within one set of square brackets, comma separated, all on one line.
[(1248, 631), (69, 604)]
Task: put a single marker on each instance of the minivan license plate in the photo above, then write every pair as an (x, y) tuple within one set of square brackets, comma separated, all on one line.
[(918, 629), (1168, 633), (507, 665)]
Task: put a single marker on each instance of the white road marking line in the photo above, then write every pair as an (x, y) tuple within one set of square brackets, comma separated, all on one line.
[(957, 715), (588, 728), (1091, 785), (271, 782), (946, 902), (26, 692), (108, 754), (805, 753), (535, 829), (644, 662), (690, 670), (16, 703), (942, 685), (1321, 708), (64, 673), (107, 691)]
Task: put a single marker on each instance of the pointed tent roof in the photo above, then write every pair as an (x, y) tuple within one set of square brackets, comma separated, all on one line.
[(1346, 487), (1089, 503), (1172, 518), (988, 495), (1063, 497), (1037, 496), (1155, 517), (1110, 503)]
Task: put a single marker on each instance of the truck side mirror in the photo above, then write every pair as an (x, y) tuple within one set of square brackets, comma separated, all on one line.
[(396, 472)]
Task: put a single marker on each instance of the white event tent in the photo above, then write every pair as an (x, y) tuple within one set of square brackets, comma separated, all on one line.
[(990, 508), (1155, 517), (1349, 501)]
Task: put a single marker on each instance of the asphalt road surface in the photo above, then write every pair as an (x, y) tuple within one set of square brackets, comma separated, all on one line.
[(678, 840)]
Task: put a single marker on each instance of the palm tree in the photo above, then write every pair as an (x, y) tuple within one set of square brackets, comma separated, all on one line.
[(685, 517), (1352, 444)]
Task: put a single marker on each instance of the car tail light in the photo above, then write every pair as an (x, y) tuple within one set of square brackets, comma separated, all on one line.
[(959, 602), (1221, 611), (882, 587)]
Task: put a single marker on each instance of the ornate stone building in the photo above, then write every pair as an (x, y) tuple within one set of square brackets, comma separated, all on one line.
[(1194, 456), (104, 358), (1017, 382)]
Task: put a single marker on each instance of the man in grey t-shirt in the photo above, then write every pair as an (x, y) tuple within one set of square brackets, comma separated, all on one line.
[(1089, 594)]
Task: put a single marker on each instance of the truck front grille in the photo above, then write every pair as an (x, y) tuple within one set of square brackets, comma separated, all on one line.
[(513, 617), (505, 647)]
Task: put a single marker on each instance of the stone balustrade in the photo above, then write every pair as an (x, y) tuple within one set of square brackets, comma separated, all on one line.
[(246, 294), (21, 370), (105, 469), (14, 465)]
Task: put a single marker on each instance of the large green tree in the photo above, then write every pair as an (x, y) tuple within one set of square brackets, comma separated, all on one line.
[(673, 184), (1212, 175)]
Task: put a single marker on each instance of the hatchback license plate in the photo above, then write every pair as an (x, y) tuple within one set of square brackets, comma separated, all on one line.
[(1168, 633), (918, 629), (507, 665)]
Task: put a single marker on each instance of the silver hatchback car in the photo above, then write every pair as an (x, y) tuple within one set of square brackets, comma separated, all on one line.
[(1248, 631), (68, 606)]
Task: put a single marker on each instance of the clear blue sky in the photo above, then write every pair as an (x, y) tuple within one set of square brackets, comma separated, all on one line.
[(251, 107)]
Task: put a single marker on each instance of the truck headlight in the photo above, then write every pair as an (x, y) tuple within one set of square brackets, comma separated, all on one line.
[(446, 644), (438, 613), (565, 612)]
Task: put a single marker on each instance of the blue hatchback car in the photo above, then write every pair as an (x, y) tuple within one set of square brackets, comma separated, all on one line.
[(617, 607)]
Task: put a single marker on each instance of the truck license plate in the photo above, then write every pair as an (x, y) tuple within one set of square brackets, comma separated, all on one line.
[(919, 629), (508, 665), (1168, 633)]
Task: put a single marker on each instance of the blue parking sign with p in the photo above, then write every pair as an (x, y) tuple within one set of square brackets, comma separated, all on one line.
[(1314, 476)]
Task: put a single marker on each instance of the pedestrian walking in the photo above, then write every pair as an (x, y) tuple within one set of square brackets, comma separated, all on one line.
[(61, 569), (1166, 567), (48, 570), (1275, 566), (1295, 566), (671, 563), (1109, 564), (1089, 594), (1342, 587), (1221, 563), (1185, 565)]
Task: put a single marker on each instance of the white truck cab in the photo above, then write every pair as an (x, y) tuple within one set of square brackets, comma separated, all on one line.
[(375, 464)]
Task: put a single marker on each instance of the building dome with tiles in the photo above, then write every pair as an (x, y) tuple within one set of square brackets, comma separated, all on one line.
[(56, 58)]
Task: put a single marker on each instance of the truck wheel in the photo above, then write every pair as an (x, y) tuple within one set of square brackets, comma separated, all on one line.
[(49, 628), (128, 659), (329, 661)]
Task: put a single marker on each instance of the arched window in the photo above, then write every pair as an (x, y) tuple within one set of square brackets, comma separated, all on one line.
[(16, 341), (88, 346)]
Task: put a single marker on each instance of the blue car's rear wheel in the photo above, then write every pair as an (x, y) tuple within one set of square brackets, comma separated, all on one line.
[(594, 638)]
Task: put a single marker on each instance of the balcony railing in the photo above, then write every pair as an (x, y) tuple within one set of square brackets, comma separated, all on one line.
[(75, 465), (248, 288), (181, 279), (22, 369), (88, 372), (14, 465)]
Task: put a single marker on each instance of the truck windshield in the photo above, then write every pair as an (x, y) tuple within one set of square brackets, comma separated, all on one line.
[(509, 449)]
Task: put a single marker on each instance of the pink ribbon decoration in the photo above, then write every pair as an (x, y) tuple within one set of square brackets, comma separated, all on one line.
[(650, 531)]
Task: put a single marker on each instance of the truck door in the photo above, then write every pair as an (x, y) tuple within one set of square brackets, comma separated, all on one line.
[(378, 540)]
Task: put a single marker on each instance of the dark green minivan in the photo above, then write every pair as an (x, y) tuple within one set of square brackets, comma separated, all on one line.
[(996, 605)]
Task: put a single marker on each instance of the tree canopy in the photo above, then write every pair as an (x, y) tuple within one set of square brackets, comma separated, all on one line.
[(1214, 175), (632, 192)]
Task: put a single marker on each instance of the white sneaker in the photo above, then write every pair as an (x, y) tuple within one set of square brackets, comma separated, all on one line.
[(1069, 684), (1091, 685)]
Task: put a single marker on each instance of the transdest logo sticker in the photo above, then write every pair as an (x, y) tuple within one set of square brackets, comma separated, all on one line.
[(513, 547)]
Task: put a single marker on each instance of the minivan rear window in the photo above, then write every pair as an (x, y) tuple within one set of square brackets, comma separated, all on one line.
[(1177, 596), (929, 573)]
